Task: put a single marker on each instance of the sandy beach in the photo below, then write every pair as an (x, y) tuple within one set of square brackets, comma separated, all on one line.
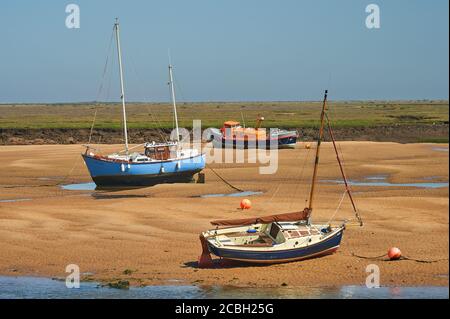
[(149, 236)]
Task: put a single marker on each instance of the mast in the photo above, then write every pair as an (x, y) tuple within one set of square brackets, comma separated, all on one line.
[(316, 163), (122, 96), (172, 91)]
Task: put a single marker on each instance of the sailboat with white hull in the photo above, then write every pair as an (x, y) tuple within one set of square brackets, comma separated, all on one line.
[(278, 238), (164, 162)]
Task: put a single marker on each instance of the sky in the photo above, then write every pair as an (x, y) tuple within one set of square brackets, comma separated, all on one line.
[(224, 50)]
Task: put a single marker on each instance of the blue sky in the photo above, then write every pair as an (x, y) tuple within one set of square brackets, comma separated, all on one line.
[(225, 50)]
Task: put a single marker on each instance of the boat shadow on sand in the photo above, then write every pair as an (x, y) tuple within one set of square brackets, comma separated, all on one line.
[(222, 263), (117, 196), (219, 263)]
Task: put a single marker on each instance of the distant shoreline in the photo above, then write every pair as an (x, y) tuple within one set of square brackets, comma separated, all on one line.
[(420, 133), (394, 121)]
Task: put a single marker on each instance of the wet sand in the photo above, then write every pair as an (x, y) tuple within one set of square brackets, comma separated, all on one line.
[(153, 232)]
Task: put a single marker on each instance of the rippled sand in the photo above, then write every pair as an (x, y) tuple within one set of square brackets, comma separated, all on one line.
[(154, 231)]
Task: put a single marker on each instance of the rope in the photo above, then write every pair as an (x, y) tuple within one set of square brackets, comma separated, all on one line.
[(100, 88), (92, 126), (285, 177), (105, 68), (132, 148), (223, 179), (301, 175), (339, 206), (57, 183), (141, 91), (70, 172), (401, 258)]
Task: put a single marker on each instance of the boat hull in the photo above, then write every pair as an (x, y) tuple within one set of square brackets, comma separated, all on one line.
[(325, 247), (110, 173), (286, 139)]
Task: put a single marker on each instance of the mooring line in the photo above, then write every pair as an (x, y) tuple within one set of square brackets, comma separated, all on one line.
[(223, 179), (401, 258)]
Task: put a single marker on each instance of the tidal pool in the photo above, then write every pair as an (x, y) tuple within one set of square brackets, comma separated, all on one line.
[(238, 194), (79, 187), (14, 200), (381, 180), (440, 149)]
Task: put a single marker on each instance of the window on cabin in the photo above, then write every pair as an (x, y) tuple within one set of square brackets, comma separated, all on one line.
[(158, 152), (274, 230)]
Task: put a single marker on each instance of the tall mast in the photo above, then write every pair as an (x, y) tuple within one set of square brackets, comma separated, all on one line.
[(122, 96), (172, 91), (316, 163)]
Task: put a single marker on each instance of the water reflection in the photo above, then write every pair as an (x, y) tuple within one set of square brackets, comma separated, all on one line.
[(31, 287)]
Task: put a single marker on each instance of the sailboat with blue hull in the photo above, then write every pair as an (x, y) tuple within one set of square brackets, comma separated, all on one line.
[(164, 162), (141, 170), (278, 238)]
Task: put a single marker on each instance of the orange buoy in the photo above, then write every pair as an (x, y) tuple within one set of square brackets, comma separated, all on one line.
[(394, 253), (246, 204)]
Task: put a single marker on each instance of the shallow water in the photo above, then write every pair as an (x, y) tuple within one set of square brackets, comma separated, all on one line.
[(92, 186), (32, 287), (14, 200), (440, 149), (239, 194), (79, 187), (380, 180)]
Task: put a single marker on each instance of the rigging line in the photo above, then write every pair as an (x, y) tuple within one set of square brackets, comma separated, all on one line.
[(132, 148), (284, 178), (340, 161), (338, 207), (175, 81), (142, 90), (301, 175), (105, 66), (341, 167), (274, 193), (100, 88), (108, 90), (158, 130), (70, 172), (332, 109), (92, 126), (99, 91), (179, 93), (223, 179), (179, 90)]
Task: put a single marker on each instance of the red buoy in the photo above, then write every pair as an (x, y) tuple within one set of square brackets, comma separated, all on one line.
[(246, 204), (394, 253)]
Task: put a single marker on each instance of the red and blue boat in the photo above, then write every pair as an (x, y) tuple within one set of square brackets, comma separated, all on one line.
[(234, 135)]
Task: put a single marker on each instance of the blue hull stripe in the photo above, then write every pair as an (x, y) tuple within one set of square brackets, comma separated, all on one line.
[(280, 142), (281, 255)]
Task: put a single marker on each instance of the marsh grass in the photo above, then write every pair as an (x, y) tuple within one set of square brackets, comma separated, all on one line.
[(213, 114)]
